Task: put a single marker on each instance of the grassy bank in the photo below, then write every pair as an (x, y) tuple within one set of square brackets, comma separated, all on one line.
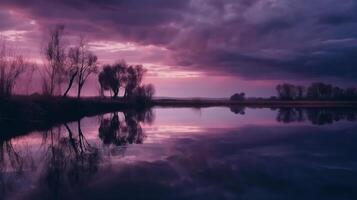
[(36, 109), (22, 114), (29, 113)]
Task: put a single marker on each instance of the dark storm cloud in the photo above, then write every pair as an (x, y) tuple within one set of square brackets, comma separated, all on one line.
[(255, 39), (147, 23), (7, 22), (338, 19)]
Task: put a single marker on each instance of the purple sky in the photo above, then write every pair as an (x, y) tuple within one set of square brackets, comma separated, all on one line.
[(204, 48)]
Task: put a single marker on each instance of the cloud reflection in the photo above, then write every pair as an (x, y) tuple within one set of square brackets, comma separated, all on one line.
[(129, 159)]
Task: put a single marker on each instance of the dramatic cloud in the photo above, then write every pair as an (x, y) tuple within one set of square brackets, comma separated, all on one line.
[(251, 39)]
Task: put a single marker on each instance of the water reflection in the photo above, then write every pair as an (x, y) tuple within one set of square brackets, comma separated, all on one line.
[(316, 116), (9, 159), (237, 110), (114, 156), (116, 131), (68, 160)]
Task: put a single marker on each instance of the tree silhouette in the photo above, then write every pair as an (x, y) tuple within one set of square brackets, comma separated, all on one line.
[(315, 91), (11, 68), (121, 75), (56, 58), (320, 91), (135, 76), (86, 66), (73, 67), (112, 78), (300, 92), (237, 96), (287, 91), (144, 93)]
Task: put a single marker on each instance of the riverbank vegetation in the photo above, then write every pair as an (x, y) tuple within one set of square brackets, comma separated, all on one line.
[(316, 91), (66, 70), (128, 77), (68, 66)]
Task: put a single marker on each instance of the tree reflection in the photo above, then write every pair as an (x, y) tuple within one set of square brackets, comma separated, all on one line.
[(8, 153), (287, 115), (238, 110), (9, 159), (124, 130), (70, 161), (317, 116), (66, 159)]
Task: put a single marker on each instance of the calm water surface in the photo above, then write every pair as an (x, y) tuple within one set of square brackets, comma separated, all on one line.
[(182, 153)]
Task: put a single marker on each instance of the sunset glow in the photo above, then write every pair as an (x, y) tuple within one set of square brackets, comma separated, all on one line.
[(178, 99), (253, 42)]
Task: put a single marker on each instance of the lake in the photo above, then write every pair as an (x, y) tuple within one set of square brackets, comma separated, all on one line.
[(185, 153)]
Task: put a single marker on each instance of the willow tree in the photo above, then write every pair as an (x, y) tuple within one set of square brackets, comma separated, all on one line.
[(135, 75), (113, 77)]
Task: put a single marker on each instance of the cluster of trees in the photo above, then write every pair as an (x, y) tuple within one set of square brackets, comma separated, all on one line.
[(127, 77), (66, 66), (70, 66), (238, 96), (315, 91)]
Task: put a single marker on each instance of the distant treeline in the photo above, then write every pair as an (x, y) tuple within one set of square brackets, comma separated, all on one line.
[(315, 91)]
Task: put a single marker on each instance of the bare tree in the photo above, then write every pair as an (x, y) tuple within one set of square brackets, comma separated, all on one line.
[(87, 65), (72, 67), (56, 60), (11, 67)]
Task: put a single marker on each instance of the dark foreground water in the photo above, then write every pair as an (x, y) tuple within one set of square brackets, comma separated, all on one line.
[(181, 153)]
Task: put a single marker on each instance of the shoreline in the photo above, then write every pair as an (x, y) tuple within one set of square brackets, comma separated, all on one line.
[(39, 108), (256, 103), (22, 114)]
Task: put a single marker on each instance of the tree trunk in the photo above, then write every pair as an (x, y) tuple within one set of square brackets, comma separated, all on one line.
[(126, 93), (79, 90), (116, 92), (70, 84)]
